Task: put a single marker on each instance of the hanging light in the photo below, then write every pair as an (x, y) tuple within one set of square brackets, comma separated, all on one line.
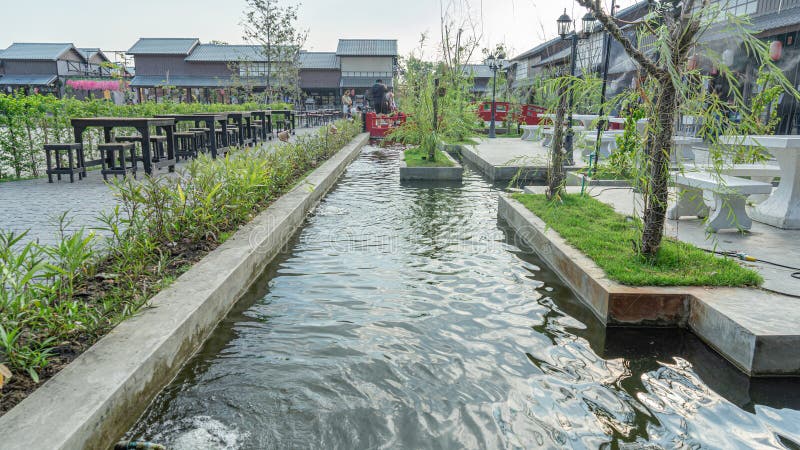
[(775, 50), (564, 24), (588, 22)]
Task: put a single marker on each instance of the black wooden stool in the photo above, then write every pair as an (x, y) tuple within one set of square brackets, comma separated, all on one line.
[(186, 145), (58, 153), (115, 161)]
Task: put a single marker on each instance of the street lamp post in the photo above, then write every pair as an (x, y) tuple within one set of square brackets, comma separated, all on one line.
[(495, 64), (566, 32), (606, 58)]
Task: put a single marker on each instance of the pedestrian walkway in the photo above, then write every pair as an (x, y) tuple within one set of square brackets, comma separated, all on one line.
[(503, 159)]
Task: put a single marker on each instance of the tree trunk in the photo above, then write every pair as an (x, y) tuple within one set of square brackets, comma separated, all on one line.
[(555, 183), (657, 188)]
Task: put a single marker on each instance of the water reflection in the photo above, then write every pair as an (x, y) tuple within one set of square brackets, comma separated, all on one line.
[(406, 316)]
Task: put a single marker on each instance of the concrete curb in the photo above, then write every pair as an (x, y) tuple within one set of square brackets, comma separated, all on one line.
[(757, 331), (456, 172), (502, 172), (97, 398), (575, 179)]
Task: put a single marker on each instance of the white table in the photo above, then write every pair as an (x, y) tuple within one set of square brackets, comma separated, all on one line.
[(782, 208), (585, 119)]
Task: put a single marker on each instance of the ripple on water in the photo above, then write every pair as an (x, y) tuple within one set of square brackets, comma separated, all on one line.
[(407, 317)]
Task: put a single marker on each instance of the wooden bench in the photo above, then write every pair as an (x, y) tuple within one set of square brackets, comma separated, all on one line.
[(729, 194)]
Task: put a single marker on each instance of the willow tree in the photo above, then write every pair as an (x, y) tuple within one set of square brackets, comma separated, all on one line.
[(675, 26), (273, 28)]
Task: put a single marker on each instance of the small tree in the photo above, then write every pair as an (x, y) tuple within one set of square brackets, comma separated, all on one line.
[(273, 27), (676, 27)]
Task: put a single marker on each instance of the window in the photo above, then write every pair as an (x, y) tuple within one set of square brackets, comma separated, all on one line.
[(522, 69), (253, 69)]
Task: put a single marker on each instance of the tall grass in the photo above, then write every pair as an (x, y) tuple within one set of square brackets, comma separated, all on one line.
[(58, 299)]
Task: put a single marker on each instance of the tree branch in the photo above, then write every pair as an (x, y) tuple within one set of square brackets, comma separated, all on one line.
[(608, 22)]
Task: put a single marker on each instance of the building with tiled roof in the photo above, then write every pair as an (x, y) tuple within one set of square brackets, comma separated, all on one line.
[(45, 67)]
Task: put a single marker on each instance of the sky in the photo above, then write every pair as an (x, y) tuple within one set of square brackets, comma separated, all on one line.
[(112, 26)]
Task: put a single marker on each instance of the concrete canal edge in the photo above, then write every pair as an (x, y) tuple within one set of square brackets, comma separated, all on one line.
[(502, 172), (99, 396), (456, 172), (757, 331)]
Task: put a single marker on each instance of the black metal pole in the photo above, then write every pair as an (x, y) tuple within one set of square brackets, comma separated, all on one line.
[(494, 91), (606, 57), (568, 139)]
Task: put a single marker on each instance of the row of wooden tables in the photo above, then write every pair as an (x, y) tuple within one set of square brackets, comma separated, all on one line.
[(165, 124)]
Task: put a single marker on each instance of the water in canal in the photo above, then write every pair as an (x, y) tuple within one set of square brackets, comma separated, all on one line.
[(406, 316)]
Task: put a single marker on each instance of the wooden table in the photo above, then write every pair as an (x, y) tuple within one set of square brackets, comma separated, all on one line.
[(142, 125), (208, 120), (782, 208)]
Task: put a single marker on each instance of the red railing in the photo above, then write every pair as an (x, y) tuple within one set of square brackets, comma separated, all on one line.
[(379, 125)]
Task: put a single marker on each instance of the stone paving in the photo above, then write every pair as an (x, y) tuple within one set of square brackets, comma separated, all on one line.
[(501, 159), (762, 241), (34, 205)]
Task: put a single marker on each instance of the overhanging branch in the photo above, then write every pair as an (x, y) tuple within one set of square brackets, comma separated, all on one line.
[(608, 22)]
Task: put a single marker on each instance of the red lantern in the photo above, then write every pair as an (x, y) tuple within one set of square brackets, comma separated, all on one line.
[(775, 50)]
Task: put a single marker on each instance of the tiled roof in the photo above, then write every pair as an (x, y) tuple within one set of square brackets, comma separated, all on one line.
[(367, 47), (537, 49), (319, 60), (87, 53), (163, 46), (478, 70), (555, 57), (36, 51), (27, 80), (621, 14), (227, 53), (361, 82)]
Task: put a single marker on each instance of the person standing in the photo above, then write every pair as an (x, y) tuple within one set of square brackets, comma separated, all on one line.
[(378, 94), (347, 104), (390, 103)]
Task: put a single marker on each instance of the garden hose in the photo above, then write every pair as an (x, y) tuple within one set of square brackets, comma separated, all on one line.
[(745, 257)]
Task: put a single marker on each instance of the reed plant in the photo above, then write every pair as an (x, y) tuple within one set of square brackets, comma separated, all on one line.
[(58, 299)]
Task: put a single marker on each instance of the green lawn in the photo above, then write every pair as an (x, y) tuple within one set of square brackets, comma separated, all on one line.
[(416, 157), (607, 237)]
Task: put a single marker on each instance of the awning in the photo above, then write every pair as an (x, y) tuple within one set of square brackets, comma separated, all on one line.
[(27, 80), (362, 82), (195, 82)]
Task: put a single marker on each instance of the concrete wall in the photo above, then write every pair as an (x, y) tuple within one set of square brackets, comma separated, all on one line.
[(367, 63), (175, 64), (30, 67), (310, 79)]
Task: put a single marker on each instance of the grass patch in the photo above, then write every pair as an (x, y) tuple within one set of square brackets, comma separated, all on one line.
[(607, 237), (416, 157)]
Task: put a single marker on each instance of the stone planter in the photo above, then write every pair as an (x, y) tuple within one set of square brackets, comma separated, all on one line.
[(455, 172)]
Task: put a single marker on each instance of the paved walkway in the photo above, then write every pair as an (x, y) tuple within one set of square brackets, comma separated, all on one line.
[(501, 159), (762, 241), (34, 205)]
